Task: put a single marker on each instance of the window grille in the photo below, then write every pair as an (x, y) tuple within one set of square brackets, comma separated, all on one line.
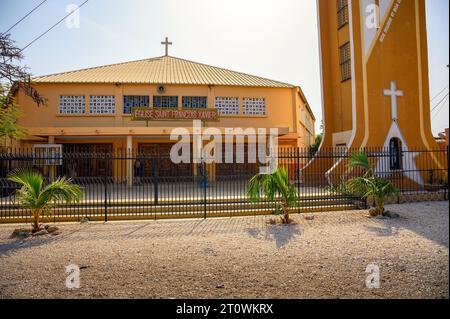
[(254, 106), (227, 105), (165, 101), (72, 104), (345, 62), (195, 102), (342, 7), (130, 101), (102, 104)]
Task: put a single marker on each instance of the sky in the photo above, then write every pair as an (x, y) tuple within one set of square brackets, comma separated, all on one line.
[(276, 39)]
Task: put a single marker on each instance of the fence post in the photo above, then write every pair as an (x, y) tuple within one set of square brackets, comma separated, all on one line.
[(447, 158), (105, 182), (205, 183), (155, 181)]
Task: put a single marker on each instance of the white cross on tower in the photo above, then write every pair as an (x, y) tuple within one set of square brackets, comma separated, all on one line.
[(167, 43), (393, 93)]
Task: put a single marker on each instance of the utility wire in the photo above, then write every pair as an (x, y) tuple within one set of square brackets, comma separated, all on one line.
[(439, 94), (53, 26), (26, 16), (442, 107), (437, 105)]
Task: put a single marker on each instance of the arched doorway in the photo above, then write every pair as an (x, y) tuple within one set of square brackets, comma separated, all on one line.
[(395, 154)]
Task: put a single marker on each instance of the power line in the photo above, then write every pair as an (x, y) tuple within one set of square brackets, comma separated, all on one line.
[(439, 93), (442, 107), (53, 26), (437, 105), (26, 16)]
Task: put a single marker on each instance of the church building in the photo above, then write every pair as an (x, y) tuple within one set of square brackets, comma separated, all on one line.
[(91, 110)]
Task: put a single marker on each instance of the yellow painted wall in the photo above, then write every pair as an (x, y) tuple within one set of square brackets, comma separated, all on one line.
[(336, 94), (401, 57), (283, 106), (397, 58)]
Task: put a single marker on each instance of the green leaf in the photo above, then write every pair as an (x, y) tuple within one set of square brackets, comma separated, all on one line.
[(34, 196)]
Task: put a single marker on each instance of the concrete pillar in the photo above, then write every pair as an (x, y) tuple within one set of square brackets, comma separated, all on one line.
[(118, 114), (130, 161), (52, 168), (211, 97)]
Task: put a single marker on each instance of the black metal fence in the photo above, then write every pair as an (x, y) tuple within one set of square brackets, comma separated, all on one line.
[(120, 184)]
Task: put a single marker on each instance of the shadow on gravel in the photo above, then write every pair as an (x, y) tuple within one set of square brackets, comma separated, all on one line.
[(280, 234), (18, 244), (431, 225)]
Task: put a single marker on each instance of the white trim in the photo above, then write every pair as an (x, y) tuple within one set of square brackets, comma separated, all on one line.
[(352, 52), (324, 132), (321, 73), (408, 162)]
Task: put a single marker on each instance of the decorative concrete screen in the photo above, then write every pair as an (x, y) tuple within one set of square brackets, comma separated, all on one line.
[(227, 105), (71, 104), (102, 104), (254, 106)]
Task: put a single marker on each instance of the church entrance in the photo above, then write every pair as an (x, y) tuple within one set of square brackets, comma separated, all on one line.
[(155, 160), (395, 154), (87, 160), (243, 169)]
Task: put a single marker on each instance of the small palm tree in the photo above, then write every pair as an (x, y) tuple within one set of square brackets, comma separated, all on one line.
[(39, 199), (361, 160), (270, 186), (369, 185)]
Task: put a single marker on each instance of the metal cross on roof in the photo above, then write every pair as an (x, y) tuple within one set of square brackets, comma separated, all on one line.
[(167, 43)]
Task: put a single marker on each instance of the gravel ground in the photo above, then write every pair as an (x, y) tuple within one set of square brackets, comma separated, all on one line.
[(323, 256)]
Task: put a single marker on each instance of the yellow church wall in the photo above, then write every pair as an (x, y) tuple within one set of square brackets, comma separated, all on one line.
[(283, 109), (329, 90), (47, 116), (407, 64), (337, 94), (383, 65), (405, 73), (401, 57)]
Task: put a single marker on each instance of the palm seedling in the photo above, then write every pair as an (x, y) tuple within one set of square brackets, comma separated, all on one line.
[(39, 199), (369, 185), (273, 187)]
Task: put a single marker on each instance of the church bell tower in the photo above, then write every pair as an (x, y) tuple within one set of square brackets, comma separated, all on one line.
[(374, 65)]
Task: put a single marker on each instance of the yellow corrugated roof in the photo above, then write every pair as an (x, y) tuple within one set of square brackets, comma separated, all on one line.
[(161, 70)]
